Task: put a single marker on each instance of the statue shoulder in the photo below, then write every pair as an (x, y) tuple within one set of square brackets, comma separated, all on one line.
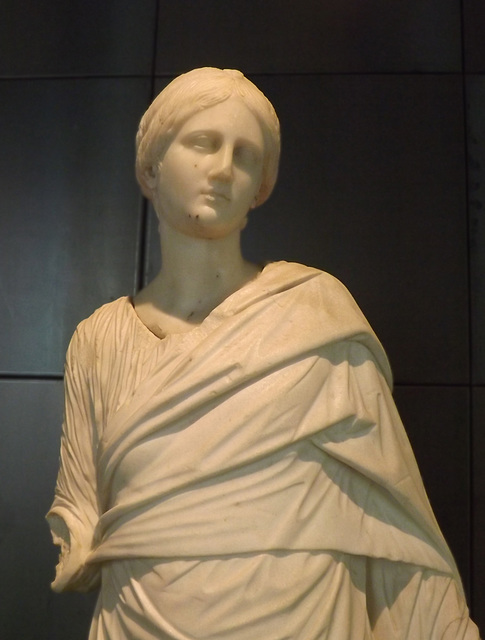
[(330, 287), (101, 327), (337, 314)]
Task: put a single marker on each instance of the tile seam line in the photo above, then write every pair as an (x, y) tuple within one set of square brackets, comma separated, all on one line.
[(400, 385), (471, 490), (154, 75)]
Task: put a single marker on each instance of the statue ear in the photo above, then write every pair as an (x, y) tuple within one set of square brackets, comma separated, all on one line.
[(150, 176)]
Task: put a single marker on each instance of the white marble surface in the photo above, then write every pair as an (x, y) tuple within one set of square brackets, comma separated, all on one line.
[(232, 464)]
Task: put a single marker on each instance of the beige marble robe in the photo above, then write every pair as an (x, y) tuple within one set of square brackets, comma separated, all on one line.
[(250, 478)]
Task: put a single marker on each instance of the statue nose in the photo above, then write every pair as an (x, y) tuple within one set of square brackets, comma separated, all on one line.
[(222, 167)]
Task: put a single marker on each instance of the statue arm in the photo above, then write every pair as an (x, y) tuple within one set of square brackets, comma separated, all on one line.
[(74, 512)]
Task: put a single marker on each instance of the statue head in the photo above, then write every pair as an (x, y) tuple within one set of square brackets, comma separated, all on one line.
[(191, 93)]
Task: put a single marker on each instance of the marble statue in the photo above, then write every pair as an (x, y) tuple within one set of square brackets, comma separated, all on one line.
[(232, 463)]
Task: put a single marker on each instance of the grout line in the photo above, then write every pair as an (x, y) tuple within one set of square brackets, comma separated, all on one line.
[(470, 316), (171, 74), (433, 385), (141, 251), (154, 50), (270, 74), (121, 76), (402, 385), (143, 227), (31, 376), (141, 256)]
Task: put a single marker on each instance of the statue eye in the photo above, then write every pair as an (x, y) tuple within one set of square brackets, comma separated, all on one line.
[(203, 142), (247, 155)]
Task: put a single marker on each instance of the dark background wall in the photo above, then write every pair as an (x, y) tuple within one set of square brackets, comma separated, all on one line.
[(382, 183)]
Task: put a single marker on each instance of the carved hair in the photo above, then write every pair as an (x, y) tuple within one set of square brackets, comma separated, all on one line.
[(193, 92)]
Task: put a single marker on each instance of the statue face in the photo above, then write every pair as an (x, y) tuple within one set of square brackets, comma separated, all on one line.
[(211, 172)]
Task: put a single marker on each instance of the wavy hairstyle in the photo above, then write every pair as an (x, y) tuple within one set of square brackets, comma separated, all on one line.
[(187, 95)]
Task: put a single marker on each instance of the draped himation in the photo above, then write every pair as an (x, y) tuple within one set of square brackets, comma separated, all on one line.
[(249, 478)]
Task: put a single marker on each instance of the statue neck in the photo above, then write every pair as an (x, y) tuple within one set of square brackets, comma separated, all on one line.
[(197, 275)]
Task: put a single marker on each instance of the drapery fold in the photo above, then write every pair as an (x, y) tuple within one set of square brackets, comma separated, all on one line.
[(269, 428)]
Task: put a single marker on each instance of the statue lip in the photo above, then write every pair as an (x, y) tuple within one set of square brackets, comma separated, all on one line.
[(214, 194)]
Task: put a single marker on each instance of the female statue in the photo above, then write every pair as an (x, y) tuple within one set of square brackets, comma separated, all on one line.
[(232, 464)]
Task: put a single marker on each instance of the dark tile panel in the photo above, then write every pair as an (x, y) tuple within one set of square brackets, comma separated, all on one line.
[(79, 37), (30, 419), (279, 36), (479, 506), (474, 28), (69, 211), (372, 189), (437, 420), (476, 169)]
